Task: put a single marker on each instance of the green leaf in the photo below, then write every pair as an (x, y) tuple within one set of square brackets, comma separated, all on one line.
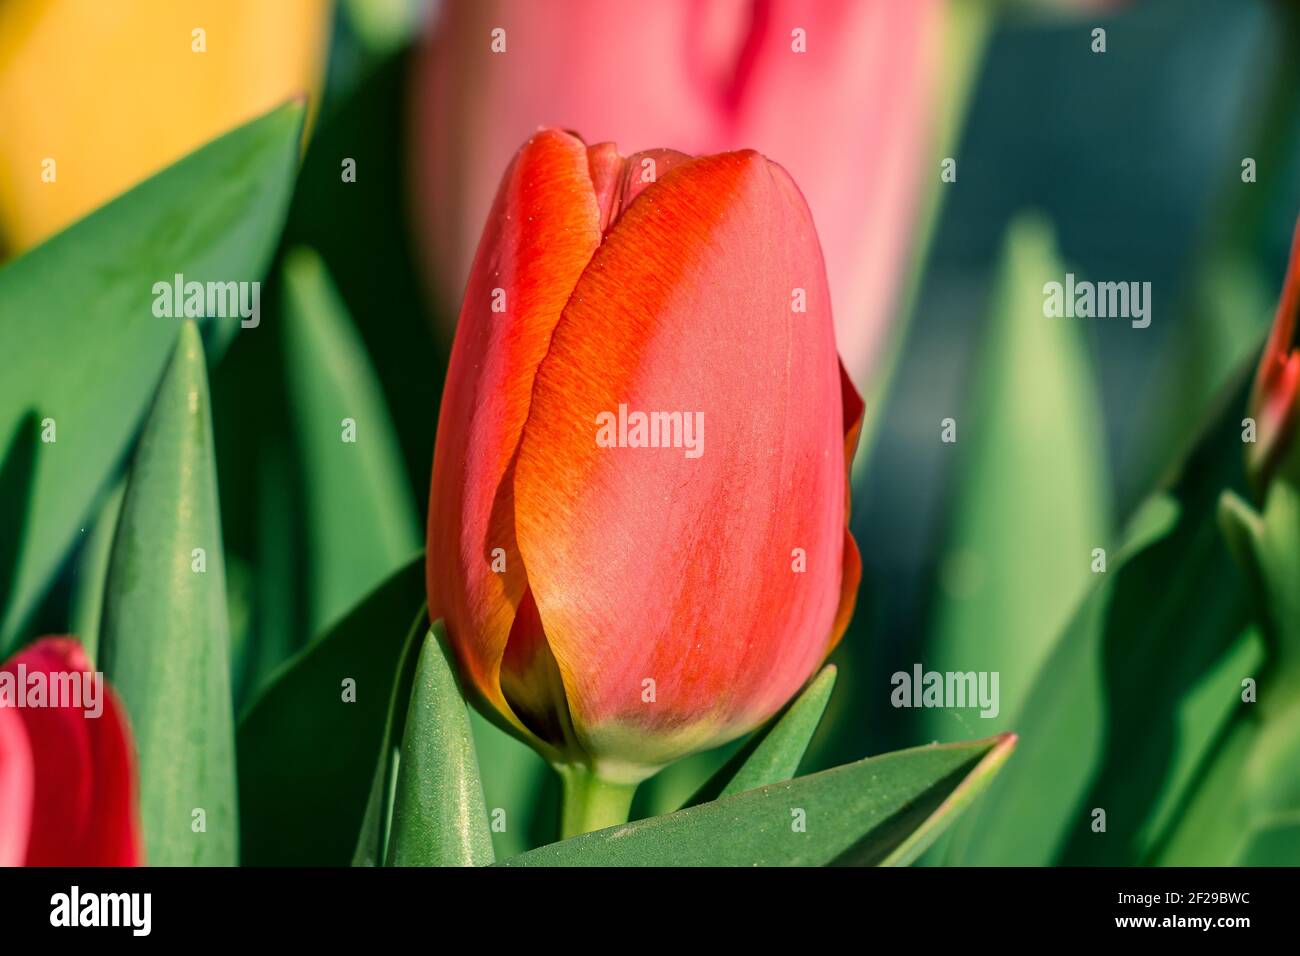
[(90, 576), (17, 472), (1031, 501), (516, 782), (307, 755), (879, 811), (361, 523), (1214, 821), (1266, 545), (165, 644), (439, 815), (1276, 843), (385, 26), (375, 826), (386, 289), (276, 634), (1205, 710), (774, 753), (1248, 791), (81, 343), (1137, 689)]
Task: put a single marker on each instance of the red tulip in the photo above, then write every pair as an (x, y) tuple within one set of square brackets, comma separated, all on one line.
[(847, 105), (67, 773), (623, 606), (1277, 382)]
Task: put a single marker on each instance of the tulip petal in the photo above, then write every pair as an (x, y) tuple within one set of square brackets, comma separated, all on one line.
[(618, 179), (650, 564), (16, 785), (541, 233), (84, 807), (1277, 381)]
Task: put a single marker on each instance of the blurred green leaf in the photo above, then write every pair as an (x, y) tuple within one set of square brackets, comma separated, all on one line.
[(879, 811), (277, 560), (1031, 501), (386, 25), (241, 597), (90, 576), (1213, 822), (361, 523), (372, 843), (1236, 782), (1108, 723), (774, 753), (1253, 779), (439, 816), (17, 472), (307, 754), (81, 343), (1276, 843), (384, 288), (1202, 715), (165, 644), (1248, 791)]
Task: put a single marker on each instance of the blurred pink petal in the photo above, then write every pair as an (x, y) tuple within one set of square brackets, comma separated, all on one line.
[(849, 118)]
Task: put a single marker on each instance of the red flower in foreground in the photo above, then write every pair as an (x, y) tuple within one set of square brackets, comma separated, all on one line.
[(1277, 382), (637, 521), (67, 773)]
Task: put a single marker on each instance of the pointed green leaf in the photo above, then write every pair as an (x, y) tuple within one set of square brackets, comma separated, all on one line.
[(774, 753), (90, 577), (165, 643), (361, 524), (1031, 500), (82, 346), (439, 816), (1243, 529), (879, 811), (375, 825), (309, 743)]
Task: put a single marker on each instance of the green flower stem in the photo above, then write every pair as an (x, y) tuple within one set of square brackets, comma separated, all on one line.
[(591, 803)]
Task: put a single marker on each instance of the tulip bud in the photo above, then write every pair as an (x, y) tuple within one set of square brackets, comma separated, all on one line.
[(67, 765), (97, 96), (638, 516), (1273, 398)]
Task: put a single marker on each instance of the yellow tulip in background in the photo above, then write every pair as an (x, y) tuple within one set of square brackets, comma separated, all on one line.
[(96, 96)]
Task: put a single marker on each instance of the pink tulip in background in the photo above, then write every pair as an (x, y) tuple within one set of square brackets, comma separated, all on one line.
[(850, 117)]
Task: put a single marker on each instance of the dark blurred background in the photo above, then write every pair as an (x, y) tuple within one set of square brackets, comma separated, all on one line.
[(1135, 159)]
